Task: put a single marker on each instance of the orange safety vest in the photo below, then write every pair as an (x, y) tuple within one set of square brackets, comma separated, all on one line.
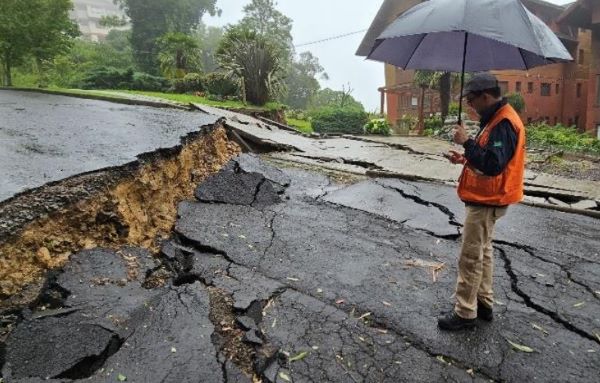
[(507, 187)]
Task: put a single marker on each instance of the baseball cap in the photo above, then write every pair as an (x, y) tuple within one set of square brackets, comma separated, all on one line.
[(479, 82)]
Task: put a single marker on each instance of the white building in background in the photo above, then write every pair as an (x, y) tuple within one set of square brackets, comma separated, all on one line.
[(87, 13)]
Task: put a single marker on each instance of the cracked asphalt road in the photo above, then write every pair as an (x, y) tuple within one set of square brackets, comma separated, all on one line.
[(45, 138), (329, 282)]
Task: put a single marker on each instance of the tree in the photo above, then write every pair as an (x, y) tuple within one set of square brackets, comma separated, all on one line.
[(254, 61), (179, 54), (209, 39), (301, 81), (266, 21), (33, 28), (328, 98), (152, 19)]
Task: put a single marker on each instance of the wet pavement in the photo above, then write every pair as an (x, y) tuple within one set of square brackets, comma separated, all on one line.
[(324, 282), (45, 138)]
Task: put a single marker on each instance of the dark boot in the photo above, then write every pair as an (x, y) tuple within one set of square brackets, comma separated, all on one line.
[(452, 322), (484, 313)]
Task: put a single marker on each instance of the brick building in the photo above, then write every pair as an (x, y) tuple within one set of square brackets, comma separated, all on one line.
[(585, 14), (559, 93)]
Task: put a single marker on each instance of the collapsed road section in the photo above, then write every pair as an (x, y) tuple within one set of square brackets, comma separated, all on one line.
[(278, 274)]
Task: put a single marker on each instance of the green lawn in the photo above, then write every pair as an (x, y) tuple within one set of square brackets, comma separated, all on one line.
[(188, 98), (301, 125)]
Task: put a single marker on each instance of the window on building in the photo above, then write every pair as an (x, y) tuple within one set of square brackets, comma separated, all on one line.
[(415, 101), (518, 87), (581, 57), (503, 86), (545, 89), (557, 88), (598, 131), (578, 90), (529, 87)]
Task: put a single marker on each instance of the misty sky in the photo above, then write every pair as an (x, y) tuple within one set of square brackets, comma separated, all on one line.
[(320, 19)]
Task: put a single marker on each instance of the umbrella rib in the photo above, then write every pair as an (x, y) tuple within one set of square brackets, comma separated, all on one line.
[(414, 50)]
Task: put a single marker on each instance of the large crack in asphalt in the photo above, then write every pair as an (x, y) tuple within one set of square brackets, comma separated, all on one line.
[(530, 303)]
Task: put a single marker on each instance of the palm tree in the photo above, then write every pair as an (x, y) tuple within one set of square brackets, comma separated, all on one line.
[(179, 54), (254, 61)]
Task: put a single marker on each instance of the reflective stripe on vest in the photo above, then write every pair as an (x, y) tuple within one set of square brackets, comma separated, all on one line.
[(507, 187)]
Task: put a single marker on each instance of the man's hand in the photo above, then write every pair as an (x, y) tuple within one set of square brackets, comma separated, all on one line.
[(460, 134), (456, 157)]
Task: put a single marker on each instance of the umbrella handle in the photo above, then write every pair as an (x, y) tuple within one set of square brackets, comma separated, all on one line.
[(462, 79)]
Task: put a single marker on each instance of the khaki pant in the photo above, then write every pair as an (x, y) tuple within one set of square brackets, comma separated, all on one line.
[(476, 262)]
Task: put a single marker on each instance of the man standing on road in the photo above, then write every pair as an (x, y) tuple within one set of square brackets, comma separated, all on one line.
[(492, 179)]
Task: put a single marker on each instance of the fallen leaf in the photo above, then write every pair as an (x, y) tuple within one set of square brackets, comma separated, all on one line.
[(386, 303), (382, 331), (173, 349), (590, 351), (292, 279), (340, 301), (579, 304), (319, 291), (274, 322), (361, 338), (299, 356), (285, 376), (441, 359), (470, 372), (242, 236), (121, 378), (597, 336), (537, 327), (364, 316), (520, 347), (315, 347)]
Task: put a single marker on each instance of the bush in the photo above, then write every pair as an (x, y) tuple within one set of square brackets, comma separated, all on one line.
[(219, 84), (339, 120), (516, 101), (407, 122), (190, 83), (433, 125), (561, 137), (107, 78), (453, 109), (296, 114), (145, 81), (378, 126)]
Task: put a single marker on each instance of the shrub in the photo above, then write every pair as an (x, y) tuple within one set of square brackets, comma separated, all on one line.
[(378, 126), (407, 122), (220, 84), (561, 137), (433, 125), (107, 78), (453, 109), (516, 101), (339, 120), (145, 81)]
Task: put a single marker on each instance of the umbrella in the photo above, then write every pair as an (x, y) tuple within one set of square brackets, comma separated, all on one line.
[(468, 36)]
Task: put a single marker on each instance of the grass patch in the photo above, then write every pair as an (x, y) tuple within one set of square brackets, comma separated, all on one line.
[(302, 125), (189, 98), (560, 137)]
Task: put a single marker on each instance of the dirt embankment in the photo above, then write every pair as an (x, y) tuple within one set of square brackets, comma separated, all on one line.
[(134, 205)]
